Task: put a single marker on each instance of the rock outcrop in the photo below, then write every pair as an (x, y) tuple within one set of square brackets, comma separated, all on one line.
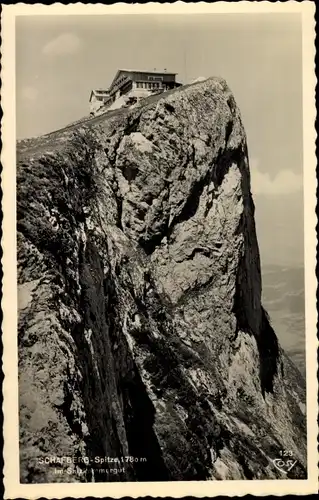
[(141, 328)]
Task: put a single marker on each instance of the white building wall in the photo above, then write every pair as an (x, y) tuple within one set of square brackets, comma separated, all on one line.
[(140, 93), (95, 104), (118, 103)]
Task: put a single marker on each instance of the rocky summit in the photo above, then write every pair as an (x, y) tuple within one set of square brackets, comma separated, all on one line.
[(145, 353)]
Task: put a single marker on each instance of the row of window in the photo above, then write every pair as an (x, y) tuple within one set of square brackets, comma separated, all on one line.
[(156, 78), (148, 85), (118, 84)]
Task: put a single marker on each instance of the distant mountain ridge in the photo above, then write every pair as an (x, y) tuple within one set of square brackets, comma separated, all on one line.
[(283, 295)]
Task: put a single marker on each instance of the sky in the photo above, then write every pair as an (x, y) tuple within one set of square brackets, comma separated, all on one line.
[(59, 59)]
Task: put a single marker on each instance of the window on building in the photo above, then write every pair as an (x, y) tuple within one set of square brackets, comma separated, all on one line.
[(155, 78)]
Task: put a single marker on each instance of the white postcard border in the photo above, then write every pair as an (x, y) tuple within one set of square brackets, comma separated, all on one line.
[(13, 489)]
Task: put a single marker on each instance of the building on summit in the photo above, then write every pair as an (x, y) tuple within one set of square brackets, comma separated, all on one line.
[(97, 99), (129, 86)]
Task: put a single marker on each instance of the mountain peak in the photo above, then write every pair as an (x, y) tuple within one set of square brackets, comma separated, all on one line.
[(142, 331)]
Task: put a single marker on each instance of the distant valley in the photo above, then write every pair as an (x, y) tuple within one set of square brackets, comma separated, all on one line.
[(283, 298)]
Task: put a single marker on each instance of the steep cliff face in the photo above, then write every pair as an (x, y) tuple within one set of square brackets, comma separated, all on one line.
[(141, 329)]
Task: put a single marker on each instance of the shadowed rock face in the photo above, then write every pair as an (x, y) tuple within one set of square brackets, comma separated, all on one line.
[(141, 330)]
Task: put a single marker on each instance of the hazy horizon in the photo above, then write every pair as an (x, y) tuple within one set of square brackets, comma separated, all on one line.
[(59, 59)]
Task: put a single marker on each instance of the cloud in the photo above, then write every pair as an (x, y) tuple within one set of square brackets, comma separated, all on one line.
[(64, 44), (29, 93), (285, 181)]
